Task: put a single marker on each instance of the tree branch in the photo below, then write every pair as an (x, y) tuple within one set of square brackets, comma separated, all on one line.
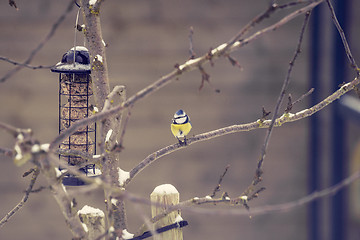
[(286, 83), (65, 202), (343, 38), (7, 152), (93, 34), (267, 209), (258, 19), (285, 118), (23, 64), (23, 200), (14, 131), (188, 205), (41, 44), (180, 69)]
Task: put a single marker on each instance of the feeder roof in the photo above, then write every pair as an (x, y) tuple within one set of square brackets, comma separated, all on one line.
[(81, 64)]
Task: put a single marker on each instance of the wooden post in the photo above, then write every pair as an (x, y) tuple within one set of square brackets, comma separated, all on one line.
[(93, 220), (166, 194)]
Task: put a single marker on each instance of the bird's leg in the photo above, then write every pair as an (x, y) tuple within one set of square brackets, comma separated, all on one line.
[(180, 142), (184, 142)]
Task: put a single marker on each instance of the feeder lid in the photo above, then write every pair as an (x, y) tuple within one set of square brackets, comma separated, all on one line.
[(67, 65)]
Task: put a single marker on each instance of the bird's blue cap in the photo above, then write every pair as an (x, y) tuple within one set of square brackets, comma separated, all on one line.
[(180, 112)]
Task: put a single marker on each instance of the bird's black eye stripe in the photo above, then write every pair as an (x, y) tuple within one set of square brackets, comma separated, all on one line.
[(186, 121)]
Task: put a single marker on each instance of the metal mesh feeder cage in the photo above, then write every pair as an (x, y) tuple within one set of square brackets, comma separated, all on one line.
[(75, 91)]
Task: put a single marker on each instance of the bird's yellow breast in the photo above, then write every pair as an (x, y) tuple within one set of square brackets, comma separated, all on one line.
[(181, 130)]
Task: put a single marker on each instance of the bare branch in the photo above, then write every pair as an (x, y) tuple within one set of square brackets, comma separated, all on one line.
[(205, 77), (109, 141), (285, 118), (23, 64), (188, 205), (292, 103), (303, 96), (23, 200), (41, 44), (273, 27), (258, 19), (115, 214), (14, 131), (343, 38), (234, 62), (121, 138), (46, 160), (93, 34), (180, 69), (282, 207), (10, 129), (279, 101), (6, 152), (64, 200), (75, 153), (191, 47), (217, 188)]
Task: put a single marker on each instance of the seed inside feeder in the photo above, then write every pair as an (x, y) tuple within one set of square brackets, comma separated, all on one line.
[(77, 142), (78, 88)]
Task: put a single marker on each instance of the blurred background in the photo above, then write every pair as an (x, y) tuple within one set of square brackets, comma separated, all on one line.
[(145, 40)]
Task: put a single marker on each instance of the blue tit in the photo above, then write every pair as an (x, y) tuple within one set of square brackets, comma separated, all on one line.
[(181, 125)]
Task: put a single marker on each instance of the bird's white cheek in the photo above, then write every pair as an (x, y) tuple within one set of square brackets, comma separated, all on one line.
[(181, 120)]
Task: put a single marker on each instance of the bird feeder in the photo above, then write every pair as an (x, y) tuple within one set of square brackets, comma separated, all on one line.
[(75, 94)]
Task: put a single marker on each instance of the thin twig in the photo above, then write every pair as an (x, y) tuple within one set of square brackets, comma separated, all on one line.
[(23, 64), (10, 129), (76, 153), (6, 152), (41, 44), (273, 27), (292, 103), (23, 200), (258, 19), (14, 131), (191, 47), (280, 99), (282, 207), (303, 96), (251, 24), (217, 188), (343, 38), (121, 139)]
